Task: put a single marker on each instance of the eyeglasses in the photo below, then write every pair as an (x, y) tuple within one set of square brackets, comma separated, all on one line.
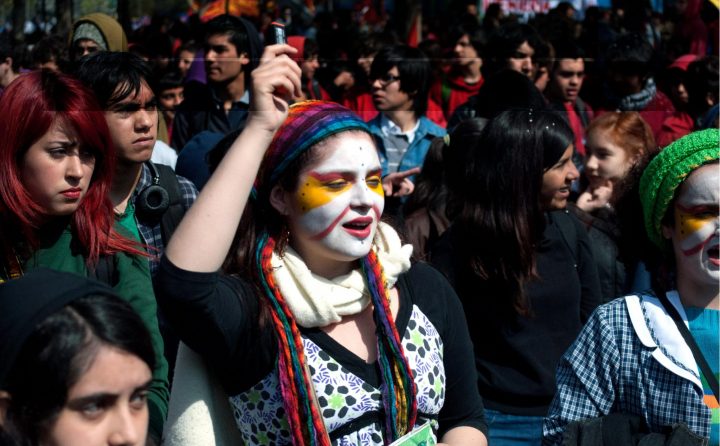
[(386, 79)]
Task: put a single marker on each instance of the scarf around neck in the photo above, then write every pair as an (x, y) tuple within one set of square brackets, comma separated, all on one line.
[(638, 101), (318, 302)]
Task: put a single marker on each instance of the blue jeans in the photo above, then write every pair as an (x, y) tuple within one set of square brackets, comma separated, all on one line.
[(513, 430)]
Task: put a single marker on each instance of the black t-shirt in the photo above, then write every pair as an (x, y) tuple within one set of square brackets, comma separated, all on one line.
[(517, 356), (219, 317)]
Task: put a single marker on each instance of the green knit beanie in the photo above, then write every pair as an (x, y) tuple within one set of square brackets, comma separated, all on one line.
[(668, 170)]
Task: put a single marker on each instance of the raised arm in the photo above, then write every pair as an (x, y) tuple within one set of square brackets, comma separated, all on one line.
[(203, 238)]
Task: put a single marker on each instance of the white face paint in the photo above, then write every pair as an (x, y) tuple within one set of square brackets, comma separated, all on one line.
[(696, 235), (339, 201)]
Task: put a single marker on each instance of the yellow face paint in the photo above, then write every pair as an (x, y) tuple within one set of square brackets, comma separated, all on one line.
[(319, 189), (691, 221), (339, 200)]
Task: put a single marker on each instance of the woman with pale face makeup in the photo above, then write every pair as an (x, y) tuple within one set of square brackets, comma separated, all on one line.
[(618, 146), (318, 320), (520, 263), (56, 160), (77, 364), (632, 349)]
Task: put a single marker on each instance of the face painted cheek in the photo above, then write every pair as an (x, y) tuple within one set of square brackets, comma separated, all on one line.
[(694, 231), (320, 220)]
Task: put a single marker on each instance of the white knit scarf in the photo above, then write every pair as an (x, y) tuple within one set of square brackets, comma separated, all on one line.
[(316, 301)]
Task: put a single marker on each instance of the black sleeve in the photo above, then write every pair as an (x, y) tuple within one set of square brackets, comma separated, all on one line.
[(587, 272), (219, 317), (181, 129), (438, 301)]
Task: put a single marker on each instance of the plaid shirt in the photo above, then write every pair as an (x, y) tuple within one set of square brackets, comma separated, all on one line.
[(152, 235), (630, 358)]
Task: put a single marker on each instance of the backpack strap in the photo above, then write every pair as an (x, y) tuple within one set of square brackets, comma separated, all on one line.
[(175, 212), (702, 363), (568, 231)]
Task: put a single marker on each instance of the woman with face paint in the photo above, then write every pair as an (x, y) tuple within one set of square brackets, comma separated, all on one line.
[(519, 261), (631, 357), (319, 329), (56, 162), (619, 145)]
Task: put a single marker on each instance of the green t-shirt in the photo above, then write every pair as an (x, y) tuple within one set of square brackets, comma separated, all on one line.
[(127, 221), (59, 251)]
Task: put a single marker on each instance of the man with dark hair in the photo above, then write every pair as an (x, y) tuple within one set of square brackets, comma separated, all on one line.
[(149, 200), (629, 84), (512, 46), (232, 50), (465, 78), (400, 76), (566, 79), (120, 83), (307, 59), (170, 91), (9, 64)]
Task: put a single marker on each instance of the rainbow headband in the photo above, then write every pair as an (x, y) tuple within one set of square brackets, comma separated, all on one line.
[(307, 123)]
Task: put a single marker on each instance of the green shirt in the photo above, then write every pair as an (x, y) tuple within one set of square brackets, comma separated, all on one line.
[(58, 251)]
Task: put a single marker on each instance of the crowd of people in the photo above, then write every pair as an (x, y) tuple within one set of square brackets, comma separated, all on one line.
[(505, 233)]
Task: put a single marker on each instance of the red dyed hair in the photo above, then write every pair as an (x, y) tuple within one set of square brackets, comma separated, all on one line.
[(626, 130), (28, 107)]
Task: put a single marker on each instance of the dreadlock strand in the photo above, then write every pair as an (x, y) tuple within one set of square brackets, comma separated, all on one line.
[(399, 397), (294, 381)]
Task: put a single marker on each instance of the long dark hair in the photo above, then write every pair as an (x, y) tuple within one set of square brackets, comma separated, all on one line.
[(430, 190), (57, 353), (496, 196)]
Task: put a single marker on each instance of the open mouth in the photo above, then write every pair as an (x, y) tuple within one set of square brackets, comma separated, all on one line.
[(359, 227), (714, 254)]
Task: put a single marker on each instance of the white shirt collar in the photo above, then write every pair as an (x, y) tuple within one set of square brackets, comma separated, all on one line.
[(390, 128)]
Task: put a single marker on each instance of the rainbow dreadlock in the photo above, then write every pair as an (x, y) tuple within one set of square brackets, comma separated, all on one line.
[(307, 124)]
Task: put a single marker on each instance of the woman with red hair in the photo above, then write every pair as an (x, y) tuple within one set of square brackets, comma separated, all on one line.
[(56, 162)]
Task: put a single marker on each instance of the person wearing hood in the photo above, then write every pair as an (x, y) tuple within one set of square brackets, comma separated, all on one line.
[(96, 32)]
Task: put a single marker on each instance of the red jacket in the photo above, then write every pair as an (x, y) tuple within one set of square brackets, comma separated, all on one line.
[(452, 91)]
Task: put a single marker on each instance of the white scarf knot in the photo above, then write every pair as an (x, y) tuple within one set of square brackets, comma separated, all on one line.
[(316, 301)]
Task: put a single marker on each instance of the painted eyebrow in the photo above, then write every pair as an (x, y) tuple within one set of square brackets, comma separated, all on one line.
[(339, 174), (698, 208)]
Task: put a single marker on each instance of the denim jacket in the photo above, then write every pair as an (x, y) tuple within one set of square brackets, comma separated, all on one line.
[(415, 153)]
